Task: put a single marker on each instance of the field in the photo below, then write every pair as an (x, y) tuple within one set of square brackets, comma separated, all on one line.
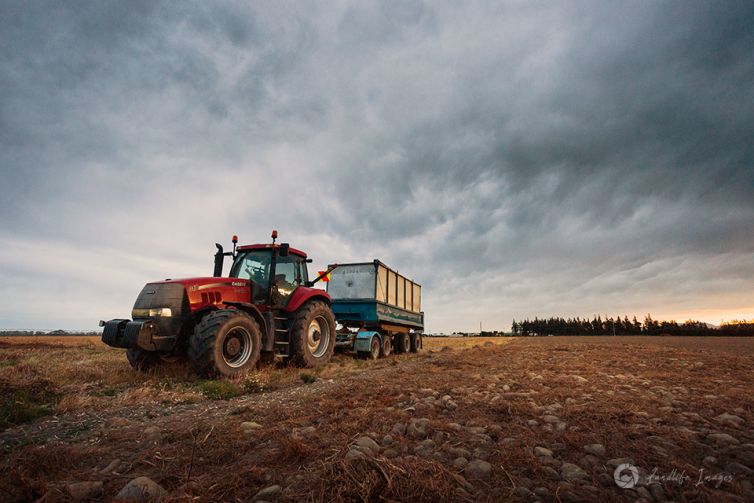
[(475, 419)]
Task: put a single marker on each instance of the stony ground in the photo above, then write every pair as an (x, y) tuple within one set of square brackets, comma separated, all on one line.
[(535, 419)]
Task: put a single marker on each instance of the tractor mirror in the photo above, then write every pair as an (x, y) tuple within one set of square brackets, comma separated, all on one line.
[(284, 249)]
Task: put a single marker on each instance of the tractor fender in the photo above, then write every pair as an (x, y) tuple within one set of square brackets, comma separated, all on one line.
[(252, 310), (201, 313), (304, 294), (363, 340)]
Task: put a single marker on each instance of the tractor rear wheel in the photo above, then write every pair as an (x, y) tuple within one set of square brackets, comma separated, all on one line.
[(141, 359), (402, 343), (225, 343), (416, 342), (312, 335)]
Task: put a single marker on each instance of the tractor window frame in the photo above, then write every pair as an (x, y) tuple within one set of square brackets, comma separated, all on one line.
[(264, 258)]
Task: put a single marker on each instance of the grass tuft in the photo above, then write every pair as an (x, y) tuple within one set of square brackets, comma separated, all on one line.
[(23, 403), (220, 389), (307, 378), (253, 384)]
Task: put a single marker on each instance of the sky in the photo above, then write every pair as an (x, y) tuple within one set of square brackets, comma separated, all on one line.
[(517, 159)]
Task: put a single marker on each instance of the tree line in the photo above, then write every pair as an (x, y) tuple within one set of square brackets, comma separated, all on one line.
[(624, 326), (52, 332)]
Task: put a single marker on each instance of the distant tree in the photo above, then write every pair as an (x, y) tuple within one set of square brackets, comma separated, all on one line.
[(636, 326), (650, 325)]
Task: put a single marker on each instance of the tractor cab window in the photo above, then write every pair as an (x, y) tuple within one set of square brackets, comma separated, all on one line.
[(290, 273), (302, 273), (254, 265), (287, 277)]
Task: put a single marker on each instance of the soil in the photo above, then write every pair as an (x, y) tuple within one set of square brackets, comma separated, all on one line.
[(521, 419)]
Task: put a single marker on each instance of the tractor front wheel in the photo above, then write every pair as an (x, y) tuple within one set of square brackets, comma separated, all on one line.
[(225, 343), (142, 360), (312, 335)]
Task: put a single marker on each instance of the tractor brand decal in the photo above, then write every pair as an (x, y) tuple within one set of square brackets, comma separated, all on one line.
[(216, 285)]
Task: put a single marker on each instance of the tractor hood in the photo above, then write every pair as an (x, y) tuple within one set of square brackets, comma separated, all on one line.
[(207, 291), (205, 282)]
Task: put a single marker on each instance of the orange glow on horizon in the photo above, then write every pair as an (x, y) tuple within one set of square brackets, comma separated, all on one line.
[(711, 316)]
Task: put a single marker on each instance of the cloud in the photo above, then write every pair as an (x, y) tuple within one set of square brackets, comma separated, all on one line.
[(515, 159)]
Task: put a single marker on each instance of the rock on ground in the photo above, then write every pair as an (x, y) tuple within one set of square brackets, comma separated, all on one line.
[(722, 438), (542, 451), (419, 428), (111, 467), (613, 463), (85, 490), (595, 449), (268, 493), (367, 444), (142, 489), (354, 453), (478, 469), (729, 420), (399, 429), (550, 472), (569, 471)]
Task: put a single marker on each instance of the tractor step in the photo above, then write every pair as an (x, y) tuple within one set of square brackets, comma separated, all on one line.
[(282, 346)]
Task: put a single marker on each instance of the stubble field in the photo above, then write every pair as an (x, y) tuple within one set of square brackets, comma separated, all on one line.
[(525, 419)]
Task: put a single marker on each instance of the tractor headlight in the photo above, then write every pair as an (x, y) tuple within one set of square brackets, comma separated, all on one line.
[(154, 312)]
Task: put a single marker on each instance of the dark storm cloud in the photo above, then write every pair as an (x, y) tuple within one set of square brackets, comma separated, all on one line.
[(517, 158)]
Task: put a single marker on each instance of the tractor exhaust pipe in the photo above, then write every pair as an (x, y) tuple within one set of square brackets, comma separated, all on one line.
[(220, 257)]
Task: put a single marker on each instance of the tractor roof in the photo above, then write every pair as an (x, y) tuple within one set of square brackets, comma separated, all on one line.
[(270, 247)]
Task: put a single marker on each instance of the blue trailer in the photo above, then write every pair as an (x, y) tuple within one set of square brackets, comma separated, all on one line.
[(378, 309)]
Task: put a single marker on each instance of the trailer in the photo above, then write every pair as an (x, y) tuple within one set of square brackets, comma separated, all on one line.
[(378, 309)]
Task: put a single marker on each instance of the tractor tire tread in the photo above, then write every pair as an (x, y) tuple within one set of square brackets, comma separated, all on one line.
[(299, 355), (142, 360), (202, 342)]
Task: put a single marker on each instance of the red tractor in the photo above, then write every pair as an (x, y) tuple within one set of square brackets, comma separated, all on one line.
[(266, 306)]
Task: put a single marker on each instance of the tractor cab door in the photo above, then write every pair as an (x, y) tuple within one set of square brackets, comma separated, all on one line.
[(290, 273)]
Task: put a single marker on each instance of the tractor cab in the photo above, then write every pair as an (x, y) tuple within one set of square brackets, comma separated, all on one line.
[(274, 270)]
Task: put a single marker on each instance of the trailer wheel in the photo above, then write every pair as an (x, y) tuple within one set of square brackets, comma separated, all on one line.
[(386, 347), (402, 343), (141, 359), (226, 343), (416, 342), (375, 348), (312, 335)]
